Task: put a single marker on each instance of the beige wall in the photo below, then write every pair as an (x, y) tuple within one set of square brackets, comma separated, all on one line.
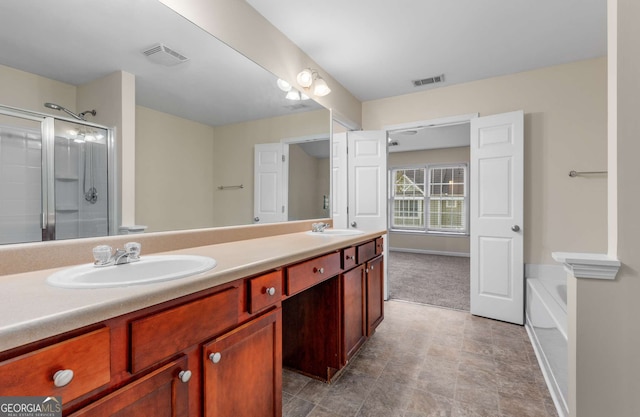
[(308, 184), (174, 172), (421, 242), (565, 129), (240, 26), (606, 356), (17, 90), (113, 97), (233, 158)]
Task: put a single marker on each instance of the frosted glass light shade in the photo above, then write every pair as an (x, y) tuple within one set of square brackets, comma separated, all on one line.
[(321, 88), (305, 78), (283, 85), (293, 95)]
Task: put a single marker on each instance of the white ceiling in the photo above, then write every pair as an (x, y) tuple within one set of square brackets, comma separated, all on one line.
[(374, 48)]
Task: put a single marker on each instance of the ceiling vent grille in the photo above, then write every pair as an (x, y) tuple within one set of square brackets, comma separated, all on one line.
[(163, 55), (431, 80)]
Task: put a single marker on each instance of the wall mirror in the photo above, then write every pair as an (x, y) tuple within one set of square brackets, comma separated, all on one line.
[(200, 106)]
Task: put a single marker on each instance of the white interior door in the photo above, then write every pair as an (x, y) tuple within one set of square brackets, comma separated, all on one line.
[(367, 185), (339, 187), (496, 215), (367, 163), (268, 196)]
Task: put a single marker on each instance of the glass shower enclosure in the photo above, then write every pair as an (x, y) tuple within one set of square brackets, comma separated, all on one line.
[(54, 177)]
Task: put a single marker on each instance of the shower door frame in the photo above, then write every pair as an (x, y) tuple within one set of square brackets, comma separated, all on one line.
[(47, 131)]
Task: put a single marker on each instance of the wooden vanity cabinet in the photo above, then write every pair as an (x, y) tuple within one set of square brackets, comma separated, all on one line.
[(218, 352), (159, 393), (354, 311), (375, 297), (243, 370)]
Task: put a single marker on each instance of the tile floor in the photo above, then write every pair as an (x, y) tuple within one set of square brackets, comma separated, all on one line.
[(429, 361)]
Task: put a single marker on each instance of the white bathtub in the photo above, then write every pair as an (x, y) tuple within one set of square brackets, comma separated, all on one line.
[(546, 323)]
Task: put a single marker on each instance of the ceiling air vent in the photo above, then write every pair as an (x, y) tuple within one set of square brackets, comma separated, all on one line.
[(431, 80), (163, 55)]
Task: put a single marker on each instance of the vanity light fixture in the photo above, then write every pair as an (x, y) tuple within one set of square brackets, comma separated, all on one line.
[(309, 77), (292, 93)]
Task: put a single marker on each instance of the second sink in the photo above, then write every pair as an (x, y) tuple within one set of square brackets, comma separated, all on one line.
[(336, 232)]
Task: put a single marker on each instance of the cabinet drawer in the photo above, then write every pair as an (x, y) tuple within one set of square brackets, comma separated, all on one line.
[(309, 273), (365, 252), (264, 291), (166, 333), (32, 374), (348, 258)]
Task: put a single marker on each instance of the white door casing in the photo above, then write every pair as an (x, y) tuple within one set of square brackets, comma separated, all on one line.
[(339, 186), (496, 217), (268, 200)]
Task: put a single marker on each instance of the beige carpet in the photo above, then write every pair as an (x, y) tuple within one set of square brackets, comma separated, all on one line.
[(429, 279)]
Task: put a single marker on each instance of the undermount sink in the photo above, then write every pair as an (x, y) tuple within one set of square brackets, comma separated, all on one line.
[(148, 270), (337, 232)]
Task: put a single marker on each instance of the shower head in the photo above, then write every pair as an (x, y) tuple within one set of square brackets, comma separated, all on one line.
[(80, 116), (53, 106)]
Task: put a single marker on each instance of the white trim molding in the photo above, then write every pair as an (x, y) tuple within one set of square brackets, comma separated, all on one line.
[(588, 265)]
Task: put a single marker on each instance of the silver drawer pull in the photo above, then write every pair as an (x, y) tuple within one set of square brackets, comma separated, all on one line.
[(184, 376), (62, 378), (270, 291), (215, 357)]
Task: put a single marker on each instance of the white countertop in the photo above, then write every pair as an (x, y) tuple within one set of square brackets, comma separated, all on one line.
[(32, 310)]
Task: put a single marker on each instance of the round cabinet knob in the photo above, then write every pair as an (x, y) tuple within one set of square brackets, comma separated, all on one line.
[(371, 267), (215, 357), (320, 270), (354, 224), (62, 377), (184, 376), (351, 257), (515, 228), (256, 219), (270, 291)]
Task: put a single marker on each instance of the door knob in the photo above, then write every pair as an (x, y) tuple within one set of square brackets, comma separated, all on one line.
[(515, 228), (354, 224), (256, 219)]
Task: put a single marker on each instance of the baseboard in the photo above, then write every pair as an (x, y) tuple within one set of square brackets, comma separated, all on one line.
[(431, 252)]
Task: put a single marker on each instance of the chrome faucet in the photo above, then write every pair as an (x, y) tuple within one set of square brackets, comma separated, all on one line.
[(104, 255), (319, 227)]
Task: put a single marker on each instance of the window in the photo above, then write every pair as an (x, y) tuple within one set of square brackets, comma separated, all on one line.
[(431, 199)]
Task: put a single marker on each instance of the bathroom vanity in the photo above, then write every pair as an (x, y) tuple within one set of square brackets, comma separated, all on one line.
[(216, 343)]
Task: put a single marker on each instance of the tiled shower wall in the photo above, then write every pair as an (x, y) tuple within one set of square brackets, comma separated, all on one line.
[(20, 186), (21, 189)]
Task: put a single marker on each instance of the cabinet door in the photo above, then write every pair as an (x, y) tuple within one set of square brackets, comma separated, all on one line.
[(375, 301), (160, 393), (243, 370), (354, 330)]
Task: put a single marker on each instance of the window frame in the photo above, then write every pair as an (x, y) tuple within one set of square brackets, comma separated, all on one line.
[(427, 200)]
